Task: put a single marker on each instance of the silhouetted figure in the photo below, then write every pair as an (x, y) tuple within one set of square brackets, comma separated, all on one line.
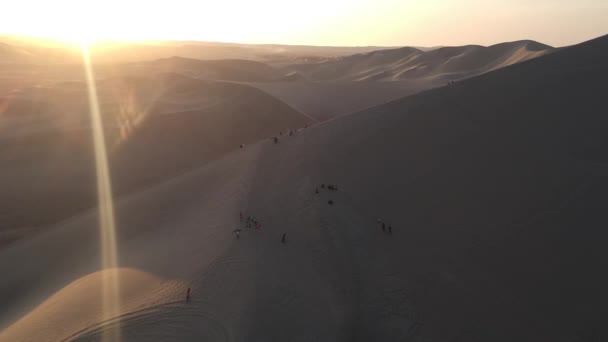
[(330, 202), (240, 216), (276, 140), (242, 145), (283, 239), (322, 186), (188, 295), (316, 190), (390, 230), (237, 233), (383, 227)]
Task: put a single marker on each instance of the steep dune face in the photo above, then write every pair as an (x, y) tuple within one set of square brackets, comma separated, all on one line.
[(448, 63), (329, 100), (195, 122), (494, 188), (156, 127)]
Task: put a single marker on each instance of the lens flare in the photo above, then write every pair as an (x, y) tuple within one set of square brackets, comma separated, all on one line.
[(107, 223)]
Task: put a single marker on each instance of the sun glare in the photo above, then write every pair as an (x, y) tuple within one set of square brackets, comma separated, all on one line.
[(107, 223), (315, 22)]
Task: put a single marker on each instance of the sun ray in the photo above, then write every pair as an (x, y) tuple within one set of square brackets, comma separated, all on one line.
[(107, 222)]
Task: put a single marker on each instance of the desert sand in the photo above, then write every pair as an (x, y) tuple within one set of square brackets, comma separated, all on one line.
[(493, 187)]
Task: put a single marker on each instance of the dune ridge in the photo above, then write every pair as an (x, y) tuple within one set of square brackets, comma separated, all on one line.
[(447, 63)]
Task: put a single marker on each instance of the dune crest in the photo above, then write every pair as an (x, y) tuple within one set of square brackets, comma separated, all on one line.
[(446, 63)]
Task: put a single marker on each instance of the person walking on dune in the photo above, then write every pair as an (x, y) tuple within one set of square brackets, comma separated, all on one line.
[(383, 227), (188, 295), (283, 239)]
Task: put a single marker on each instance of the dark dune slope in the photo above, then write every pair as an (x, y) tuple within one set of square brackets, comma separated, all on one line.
[(496, 190)]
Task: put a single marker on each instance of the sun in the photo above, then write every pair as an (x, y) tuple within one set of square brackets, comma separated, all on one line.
[(240, 21)]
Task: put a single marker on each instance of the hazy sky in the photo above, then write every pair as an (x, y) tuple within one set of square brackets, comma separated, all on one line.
[(314, 22)]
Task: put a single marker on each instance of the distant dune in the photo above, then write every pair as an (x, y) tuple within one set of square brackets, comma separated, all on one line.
[(10, 53), (318, 81), (447, 63), (41, 51), (226, 69)]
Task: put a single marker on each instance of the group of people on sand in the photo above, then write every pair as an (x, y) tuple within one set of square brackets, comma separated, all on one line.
[(250, 222), (275, 139), (289, 132), (386, 228), (328, 187)]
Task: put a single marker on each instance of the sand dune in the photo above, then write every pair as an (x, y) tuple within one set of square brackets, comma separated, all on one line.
[(446, 63), (494, 188), (318, 81), (156, 127)]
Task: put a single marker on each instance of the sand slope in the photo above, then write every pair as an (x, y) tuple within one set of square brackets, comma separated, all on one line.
[(157, 127)]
